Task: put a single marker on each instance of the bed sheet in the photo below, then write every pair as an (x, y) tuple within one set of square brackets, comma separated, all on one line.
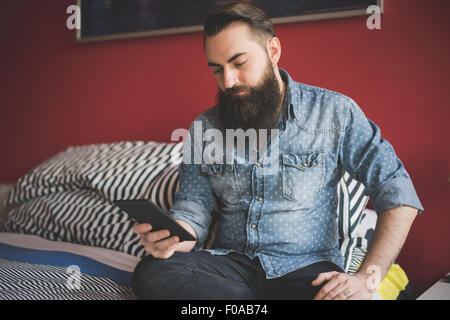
[(35, 268)]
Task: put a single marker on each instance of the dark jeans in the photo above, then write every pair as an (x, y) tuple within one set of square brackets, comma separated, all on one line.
[(203, 276)]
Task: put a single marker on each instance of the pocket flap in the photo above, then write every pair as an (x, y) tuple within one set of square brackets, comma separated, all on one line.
[(302, 160)]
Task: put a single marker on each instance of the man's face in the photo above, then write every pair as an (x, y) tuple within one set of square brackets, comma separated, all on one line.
[(249, 94)]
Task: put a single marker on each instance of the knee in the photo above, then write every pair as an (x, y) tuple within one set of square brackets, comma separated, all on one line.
[(144, 276), (152, 278)]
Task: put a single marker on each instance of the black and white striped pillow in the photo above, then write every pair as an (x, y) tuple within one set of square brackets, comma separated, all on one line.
[(351, 203), (362, 237), (69, 197), (163, 188), (76, 216), (121, 170)]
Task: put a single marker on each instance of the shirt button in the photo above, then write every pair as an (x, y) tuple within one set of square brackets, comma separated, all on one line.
[(304, 164), (258, 164), (260, 199), (253, 226)]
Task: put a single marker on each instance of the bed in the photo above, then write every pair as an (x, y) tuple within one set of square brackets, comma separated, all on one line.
[(62, 238)]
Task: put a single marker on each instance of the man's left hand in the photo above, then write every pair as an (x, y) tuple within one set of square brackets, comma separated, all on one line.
[(343, 286)]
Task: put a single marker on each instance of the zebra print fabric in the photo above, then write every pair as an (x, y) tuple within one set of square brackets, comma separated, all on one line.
[(351, 203), (69, 197), (122, 170), (162, 190), (357, 258), (28, 281)]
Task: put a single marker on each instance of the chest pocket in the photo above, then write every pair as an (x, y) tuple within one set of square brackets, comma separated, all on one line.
[(303, 176), (222, 178)]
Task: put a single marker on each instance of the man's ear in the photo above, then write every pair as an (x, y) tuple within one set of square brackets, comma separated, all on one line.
[(274, 50)]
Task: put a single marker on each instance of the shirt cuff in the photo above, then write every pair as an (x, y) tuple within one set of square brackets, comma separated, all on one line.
[(394, 193), (195, 215)]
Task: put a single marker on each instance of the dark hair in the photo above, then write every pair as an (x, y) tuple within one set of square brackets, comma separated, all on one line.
[(258, 21)]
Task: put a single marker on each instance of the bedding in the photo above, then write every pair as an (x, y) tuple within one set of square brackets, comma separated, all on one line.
[(4, 190), (28, 281), (67, 201), (34, 268), (69, 196), (351, 204)]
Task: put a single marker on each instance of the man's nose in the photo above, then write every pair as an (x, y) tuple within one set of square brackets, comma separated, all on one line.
[(230, 79)]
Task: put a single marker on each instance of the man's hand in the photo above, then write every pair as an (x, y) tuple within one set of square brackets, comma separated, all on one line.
[(159, 243), (342, 286)]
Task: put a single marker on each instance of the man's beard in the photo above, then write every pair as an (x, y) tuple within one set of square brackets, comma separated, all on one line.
[(257, 108)]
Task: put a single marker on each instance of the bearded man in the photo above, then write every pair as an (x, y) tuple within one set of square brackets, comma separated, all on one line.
[(276, 234)]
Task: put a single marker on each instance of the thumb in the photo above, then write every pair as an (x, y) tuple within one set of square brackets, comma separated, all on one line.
[(324, 277)]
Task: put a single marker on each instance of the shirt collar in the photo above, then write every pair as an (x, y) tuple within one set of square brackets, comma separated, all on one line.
[(289, 98), (288, 104)]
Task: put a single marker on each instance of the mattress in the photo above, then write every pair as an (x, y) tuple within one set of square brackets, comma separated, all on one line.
[(33, 268)]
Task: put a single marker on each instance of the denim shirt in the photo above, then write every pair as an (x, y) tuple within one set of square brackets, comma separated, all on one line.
[(284, 211)]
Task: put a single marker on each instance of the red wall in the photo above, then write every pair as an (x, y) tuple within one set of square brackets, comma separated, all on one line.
[(55, 93)]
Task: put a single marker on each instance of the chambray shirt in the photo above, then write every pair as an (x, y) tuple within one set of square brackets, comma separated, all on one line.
[(282, 208)]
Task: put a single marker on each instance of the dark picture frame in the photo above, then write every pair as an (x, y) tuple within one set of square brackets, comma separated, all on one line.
[(103, 20)]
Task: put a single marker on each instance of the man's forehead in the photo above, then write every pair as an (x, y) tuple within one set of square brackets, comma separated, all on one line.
[(235, 38)]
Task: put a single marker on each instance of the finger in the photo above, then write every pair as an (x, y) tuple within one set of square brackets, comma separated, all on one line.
[(165, 253), (166, 244), (345, 295), (330, 285), (156, 235), (150, 238), (340, 292), (353, 296), (141, 228), (326, 276)]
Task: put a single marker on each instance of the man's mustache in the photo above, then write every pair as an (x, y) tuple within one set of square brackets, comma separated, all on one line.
[(236, 89)]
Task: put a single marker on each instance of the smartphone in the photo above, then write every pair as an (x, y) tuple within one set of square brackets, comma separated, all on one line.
[(145, 211)]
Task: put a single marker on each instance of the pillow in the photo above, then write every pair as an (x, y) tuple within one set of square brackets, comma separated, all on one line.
[(76, 216), (121, 170), (362, 237), (69, 197), (163, 188), (351, 203), (4, 209)]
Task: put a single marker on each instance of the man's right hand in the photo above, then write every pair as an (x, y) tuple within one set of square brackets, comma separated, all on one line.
[(159, 244)]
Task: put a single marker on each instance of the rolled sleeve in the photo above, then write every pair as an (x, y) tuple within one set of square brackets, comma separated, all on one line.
[(372, 160), (394, 193), (196, 215)]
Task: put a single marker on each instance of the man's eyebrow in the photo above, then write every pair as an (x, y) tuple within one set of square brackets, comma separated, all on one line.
[(213, 64)]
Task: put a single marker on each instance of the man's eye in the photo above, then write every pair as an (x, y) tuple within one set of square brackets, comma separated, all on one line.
[(217, 71), (240, 64)]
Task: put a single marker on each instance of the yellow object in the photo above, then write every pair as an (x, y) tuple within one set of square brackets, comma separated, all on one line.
[(393, 283)]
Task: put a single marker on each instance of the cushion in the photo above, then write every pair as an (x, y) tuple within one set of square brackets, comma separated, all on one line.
[(77, 216), (351, 204), (4, 209), (122, 170), (69, 196), (162, 190)]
